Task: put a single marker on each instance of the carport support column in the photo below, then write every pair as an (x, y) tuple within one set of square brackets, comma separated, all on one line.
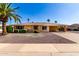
[(47, 28), (13, 28), (39, 27), (65, 28)]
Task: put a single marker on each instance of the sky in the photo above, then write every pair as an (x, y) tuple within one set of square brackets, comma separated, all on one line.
[(63, 13)]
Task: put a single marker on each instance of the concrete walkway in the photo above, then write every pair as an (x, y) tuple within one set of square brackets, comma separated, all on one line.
[(69, 35), (43, 49), (39, 49)]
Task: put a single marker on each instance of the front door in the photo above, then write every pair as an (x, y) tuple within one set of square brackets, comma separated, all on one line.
[(35, 27)]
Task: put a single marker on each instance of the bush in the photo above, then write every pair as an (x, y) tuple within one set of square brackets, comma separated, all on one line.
[(61, 29), (9, 29), (22, 31), (0, 27), (15, 31)]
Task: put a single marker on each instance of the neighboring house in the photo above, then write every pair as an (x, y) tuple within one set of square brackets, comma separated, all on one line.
[(73, 27), (41, 27)]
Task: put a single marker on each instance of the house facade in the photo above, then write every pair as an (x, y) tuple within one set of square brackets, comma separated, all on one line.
[(40, 27), (73, 27)]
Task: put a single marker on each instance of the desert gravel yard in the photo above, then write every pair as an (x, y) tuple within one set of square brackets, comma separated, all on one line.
[(34, 38)]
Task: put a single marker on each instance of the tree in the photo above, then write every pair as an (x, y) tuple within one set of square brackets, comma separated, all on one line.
[(48, 20), (56, 21), (28, 19), (8, 13)]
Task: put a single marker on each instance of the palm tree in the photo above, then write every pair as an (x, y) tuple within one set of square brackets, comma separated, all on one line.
[(28, 19), (56, 21), (48, 20), (6, 13)]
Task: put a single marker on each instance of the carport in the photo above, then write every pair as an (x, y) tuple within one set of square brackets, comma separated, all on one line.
[(53, 28)]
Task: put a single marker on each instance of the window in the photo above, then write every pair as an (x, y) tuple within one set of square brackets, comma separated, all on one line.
[(44, 27), (19, 27), (35, 27)]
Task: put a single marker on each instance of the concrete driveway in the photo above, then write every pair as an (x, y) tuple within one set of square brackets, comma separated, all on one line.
[(11, 46), (34, 38)]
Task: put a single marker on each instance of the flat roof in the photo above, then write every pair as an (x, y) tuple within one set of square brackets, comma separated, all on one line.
[(41, 23)]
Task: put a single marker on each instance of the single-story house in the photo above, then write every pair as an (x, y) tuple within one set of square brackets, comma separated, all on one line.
[(41, 27), (73, 27)]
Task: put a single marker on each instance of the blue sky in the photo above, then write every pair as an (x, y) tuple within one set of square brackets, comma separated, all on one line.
[(64, 13)]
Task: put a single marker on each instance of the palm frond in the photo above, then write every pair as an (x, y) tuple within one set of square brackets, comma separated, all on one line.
[(16, 8), (16, 18), (7, 11), (8, 6)]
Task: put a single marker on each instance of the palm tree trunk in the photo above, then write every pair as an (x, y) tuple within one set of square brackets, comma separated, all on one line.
[(4, 28)]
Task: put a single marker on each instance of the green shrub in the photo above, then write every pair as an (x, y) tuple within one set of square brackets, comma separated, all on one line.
[(0, 27), (22, 31), (15, 31), (9, 29), (61, 29)]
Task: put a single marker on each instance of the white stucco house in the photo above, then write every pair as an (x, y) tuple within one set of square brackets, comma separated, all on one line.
[(73, 26)]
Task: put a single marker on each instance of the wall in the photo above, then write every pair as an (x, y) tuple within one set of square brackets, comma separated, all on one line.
[(27, 26), (53, 28)]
